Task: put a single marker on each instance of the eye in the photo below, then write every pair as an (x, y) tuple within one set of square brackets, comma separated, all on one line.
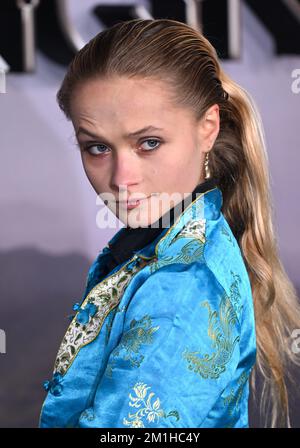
[(97, 149), (151, 140), (94, 149)]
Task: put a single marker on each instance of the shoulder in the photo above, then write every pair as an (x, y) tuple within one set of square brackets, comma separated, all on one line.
[(184, 297), (199, 276)]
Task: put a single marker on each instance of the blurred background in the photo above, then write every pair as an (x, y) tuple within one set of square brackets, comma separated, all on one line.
[(48, 235)]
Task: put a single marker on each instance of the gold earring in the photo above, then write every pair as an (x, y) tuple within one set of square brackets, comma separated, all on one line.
[(207, 172)]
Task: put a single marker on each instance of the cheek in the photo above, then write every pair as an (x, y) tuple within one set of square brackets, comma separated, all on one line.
[(183, 158), (189, 159), (167, 167), (185, 166)]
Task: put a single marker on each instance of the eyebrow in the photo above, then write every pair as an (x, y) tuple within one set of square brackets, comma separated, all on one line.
[(150, 128)]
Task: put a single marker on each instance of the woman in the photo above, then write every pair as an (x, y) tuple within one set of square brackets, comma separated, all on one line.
[(189, 300)]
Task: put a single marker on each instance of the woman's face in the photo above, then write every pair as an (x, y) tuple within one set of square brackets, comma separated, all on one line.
[(136, 144)]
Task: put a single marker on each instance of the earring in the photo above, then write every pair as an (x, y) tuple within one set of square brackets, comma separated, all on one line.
[(207, 172)]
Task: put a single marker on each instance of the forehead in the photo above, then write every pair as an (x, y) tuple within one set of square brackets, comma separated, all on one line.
[(125, 99)]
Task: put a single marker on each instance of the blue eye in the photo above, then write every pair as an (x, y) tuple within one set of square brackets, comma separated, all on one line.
[(94, 149), (152, 140), (94, 152)]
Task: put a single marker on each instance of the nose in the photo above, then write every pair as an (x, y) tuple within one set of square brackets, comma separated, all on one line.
[(126, 171)]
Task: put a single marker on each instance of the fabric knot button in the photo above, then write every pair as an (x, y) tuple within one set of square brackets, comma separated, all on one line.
[(133, 263), (84, 314), (76, 306), (54, 386)]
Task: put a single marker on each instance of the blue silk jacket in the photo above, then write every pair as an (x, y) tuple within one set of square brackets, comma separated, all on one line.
[(166, 339)]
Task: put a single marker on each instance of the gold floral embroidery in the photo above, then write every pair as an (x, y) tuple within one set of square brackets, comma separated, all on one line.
[(188, 253), (228, 235), (220, 331), (111, 319), (88, 414), (147, 411), (191, 222), (105, 296), (232, 401), (194, 229), (235, 295), (140, 332)]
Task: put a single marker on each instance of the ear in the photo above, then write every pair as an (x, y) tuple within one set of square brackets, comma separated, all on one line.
[(208, 128)]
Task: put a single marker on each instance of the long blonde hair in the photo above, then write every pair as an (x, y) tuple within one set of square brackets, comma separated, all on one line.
[(182, 57)]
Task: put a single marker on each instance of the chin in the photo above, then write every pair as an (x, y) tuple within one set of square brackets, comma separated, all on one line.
[(133, 220), (134, 223), (140, 216)]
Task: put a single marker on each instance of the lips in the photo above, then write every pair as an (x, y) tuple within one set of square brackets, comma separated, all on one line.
[(131, 203)]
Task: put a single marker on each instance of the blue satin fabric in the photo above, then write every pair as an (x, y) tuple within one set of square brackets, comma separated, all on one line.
[(175, 348)]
